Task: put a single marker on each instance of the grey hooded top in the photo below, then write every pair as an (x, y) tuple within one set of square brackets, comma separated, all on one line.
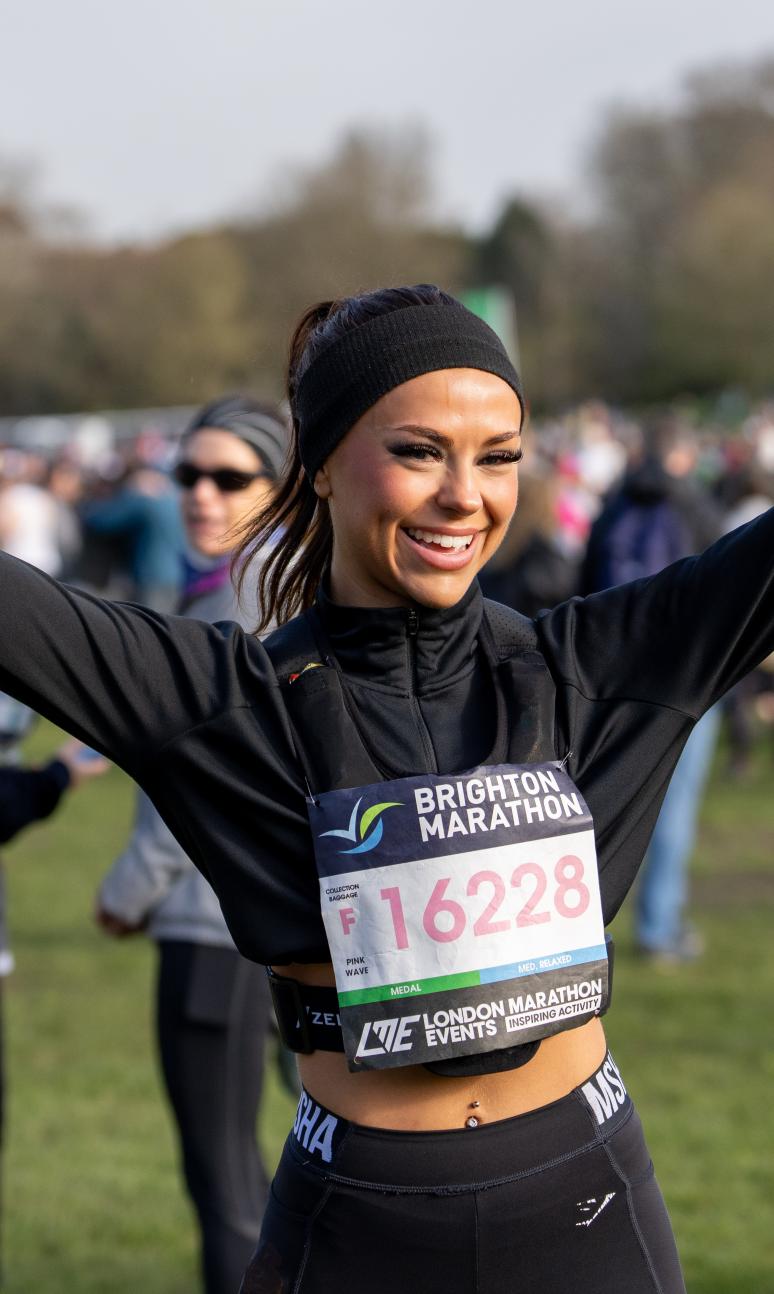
[(154, 880)]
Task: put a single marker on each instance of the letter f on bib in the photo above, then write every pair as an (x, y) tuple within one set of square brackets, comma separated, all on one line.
[(347, 916)]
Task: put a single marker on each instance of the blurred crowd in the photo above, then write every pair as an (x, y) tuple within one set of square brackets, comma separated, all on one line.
[(106, 520)]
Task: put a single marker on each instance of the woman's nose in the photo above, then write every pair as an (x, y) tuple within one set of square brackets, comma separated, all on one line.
[(459, 491)]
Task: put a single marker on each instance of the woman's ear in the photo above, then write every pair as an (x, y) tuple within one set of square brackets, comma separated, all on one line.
[(322, 484)]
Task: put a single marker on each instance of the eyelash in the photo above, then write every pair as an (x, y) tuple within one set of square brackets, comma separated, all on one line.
[(423, 452)]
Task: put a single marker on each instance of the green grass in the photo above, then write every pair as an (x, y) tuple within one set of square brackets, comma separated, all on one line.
[(696, 1047), (93, 1200)]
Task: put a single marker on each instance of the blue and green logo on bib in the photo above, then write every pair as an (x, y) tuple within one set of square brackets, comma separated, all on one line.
[(368, 831)]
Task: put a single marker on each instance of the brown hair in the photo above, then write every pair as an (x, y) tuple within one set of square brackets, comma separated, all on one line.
[(295, 524)]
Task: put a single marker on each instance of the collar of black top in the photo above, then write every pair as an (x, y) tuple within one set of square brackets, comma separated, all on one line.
[(359, 368)]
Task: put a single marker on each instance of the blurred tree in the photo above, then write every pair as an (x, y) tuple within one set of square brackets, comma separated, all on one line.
[(664, 289), (515, 253), (212, 311), (716, 324), (681, 243), (357, 221)]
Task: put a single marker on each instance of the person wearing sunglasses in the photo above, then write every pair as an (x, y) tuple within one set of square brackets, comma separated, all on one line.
[(230, 457), (212, 1004)]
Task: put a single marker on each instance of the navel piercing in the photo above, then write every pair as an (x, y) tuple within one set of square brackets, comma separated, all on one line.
[(471, 1122)]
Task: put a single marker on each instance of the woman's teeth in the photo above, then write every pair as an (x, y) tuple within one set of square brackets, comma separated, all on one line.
[(444, 541)]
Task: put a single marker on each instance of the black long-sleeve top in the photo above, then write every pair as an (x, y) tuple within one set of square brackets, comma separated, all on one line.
[(28, 795), (193, 712)]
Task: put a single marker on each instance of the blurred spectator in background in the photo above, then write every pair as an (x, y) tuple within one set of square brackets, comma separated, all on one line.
[(658, 515), (532, 569), (28, 795), (576, 505), (599, 448), (144, 511), (65, 486), (748, 492), (16, 720), (32, 524), (213, 1005), (40, 528)]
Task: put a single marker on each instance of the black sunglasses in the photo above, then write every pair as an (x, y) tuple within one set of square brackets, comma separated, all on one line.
[(225, 479)]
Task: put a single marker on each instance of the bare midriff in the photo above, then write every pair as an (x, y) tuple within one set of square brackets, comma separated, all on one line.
[(413, 1099)]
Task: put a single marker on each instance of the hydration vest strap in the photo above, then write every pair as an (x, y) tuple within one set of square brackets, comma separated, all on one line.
[(308, 1020), (610, 947), (307, 1015)]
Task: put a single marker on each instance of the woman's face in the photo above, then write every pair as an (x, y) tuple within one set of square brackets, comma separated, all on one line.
[(210, 513), (421, 490)]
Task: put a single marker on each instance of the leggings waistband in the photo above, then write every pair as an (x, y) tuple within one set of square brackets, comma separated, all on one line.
[(460, 1157)]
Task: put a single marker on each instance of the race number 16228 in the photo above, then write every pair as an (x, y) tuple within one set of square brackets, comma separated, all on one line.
[(445, 917)]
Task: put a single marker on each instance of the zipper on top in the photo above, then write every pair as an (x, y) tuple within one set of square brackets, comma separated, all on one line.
[(412, 629)]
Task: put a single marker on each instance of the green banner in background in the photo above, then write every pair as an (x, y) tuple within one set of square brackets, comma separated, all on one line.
[(496, 306)]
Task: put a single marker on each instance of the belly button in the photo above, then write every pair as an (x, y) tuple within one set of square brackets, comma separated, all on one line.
[(473, 1120)]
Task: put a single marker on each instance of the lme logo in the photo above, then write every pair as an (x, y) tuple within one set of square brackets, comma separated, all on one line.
[(368, 831), (389, 1035)]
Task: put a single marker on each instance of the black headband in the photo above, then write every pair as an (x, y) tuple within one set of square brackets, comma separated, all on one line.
[(355, 371)]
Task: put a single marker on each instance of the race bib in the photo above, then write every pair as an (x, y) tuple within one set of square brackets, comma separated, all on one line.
[(463, 914)]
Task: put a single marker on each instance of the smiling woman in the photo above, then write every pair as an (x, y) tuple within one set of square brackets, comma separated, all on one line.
[(421, 810)]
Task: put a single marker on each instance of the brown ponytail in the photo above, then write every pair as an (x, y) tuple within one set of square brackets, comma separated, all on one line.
[(294, 520)]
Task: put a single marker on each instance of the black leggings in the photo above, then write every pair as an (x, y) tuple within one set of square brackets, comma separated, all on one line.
[(562, 1198), (213, 1013)]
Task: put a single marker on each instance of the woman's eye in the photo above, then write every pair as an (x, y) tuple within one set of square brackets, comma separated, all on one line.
[(503, 456), (419, 452)]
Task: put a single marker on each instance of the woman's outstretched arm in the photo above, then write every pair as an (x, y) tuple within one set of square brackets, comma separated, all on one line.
[(120, 677), (681, 638), (637, 665)]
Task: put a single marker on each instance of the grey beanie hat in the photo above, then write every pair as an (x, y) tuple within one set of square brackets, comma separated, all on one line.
[(261, 426)]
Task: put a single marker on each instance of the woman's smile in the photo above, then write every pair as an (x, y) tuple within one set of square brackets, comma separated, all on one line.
[(444, 549)]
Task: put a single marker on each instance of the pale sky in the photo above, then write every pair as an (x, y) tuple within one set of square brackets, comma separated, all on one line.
[(159, 115)]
